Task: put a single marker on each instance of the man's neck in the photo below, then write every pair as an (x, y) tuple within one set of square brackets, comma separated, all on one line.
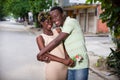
[(64, 18)]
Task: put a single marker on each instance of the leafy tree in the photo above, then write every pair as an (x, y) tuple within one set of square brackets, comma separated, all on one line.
[(2, 12), (38, 6), (20, 8)]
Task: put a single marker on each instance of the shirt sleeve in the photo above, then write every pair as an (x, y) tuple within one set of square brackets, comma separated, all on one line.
[(68, 26)]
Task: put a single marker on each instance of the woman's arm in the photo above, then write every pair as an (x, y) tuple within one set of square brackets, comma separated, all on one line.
[(47, 57), (40, 43)]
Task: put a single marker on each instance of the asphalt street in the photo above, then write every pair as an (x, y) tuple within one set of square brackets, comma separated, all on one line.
[(18, 51)]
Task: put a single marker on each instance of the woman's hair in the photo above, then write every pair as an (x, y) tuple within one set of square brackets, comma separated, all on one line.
[(42, 16), (57, 8)]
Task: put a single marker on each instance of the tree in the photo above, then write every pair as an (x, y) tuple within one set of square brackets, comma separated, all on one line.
[(38, 6), (111, 15), (20, 8), (2, 12)]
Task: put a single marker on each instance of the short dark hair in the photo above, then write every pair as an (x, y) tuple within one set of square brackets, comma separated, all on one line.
[(57, 8)]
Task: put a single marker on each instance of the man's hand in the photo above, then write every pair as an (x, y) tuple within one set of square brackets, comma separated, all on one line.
[(43, 58), (69, 62)]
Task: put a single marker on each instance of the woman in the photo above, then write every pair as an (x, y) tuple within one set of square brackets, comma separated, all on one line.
[(57, 59)]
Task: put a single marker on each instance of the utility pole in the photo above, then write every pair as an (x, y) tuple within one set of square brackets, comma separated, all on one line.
[(53, 1)]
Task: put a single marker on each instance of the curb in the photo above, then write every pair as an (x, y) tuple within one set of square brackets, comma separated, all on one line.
[(98, 74), (34, 30), (96, 35), (105, 75)]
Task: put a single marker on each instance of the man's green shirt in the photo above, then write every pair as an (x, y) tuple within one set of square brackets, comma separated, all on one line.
[(75, 42)]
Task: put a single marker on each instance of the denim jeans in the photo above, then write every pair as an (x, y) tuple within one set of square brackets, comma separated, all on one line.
[(78, 74)]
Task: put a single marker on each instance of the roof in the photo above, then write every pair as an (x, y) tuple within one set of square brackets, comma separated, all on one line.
[(80, 6)]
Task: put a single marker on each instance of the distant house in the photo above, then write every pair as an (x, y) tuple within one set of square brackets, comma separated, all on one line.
[(86, 14)]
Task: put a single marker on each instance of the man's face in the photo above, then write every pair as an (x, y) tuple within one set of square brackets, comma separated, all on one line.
[(57, 17)]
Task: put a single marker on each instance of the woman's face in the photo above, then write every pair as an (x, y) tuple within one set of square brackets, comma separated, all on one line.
[(47, 24)]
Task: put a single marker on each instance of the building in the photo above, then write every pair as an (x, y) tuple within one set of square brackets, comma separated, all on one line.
[(86, 14)]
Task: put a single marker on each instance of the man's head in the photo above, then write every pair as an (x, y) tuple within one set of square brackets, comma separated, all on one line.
[(57, 15)]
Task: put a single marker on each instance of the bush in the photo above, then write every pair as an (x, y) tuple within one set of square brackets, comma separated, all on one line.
[(113, 61)]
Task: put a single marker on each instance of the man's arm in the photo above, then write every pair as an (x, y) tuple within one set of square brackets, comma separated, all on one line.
[(44, 57), (68, 62), (62, 36)]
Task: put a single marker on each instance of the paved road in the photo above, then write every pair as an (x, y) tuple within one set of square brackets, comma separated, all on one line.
[(18, 51), (99, 45), (18, 54)]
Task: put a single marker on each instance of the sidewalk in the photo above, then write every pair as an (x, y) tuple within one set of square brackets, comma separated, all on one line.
[(101, 73)]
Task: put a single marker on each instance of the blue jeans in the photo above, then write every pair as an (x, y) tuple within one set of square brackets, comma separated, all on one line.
[(78, 74)]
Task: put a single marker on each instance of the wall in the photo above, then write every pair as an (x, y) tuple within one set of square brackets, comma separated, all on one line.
[(101, 27)]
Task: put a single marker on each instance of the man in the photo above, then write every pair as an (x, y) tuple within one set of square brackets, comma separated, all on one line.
[(74, 43)]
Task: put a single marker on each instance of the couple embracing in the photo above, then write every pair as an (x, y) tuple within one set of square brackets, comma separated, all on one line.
[(63, 48)]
